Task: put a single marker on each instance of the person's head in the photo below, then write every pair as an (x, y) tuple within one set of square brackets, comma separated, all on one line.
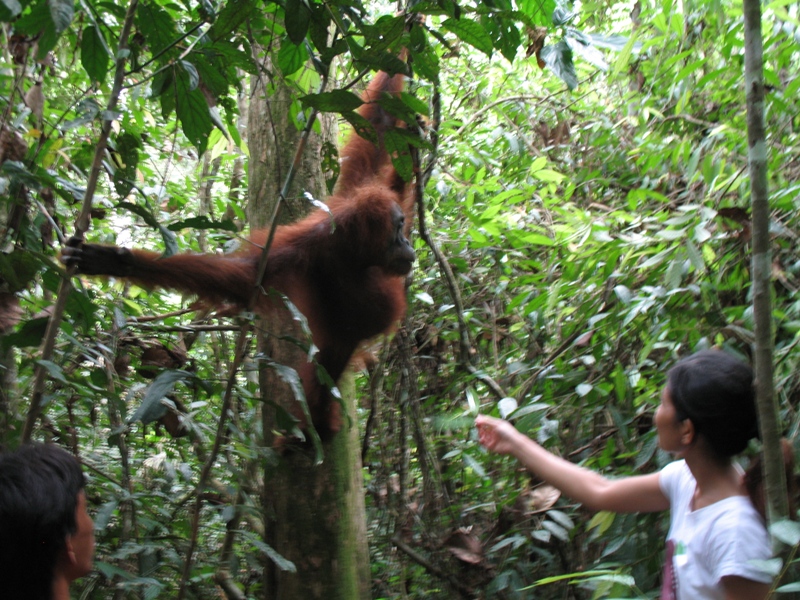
[(45, 531), (714, 391)]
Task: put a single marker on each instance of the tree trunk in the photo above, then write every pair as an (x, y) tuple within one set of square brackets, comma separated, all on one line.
[(774, 478), (314, 514)]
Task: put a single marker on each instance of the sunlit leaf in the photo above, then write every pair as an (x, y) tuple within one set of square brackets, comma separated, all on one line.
[(786, 531), (291, 57)]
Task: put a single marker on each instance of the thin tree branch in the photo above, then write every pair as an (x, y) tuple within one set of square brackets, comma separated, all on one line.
[(81, 227), (465, 591)]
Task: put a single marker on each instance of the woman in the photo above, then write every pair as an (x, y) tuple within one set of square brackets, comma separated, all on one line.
[(706, 416)]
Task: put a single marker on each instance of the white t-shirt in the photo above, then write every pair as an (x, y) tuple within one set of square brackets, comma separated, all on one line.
[(709, 543)]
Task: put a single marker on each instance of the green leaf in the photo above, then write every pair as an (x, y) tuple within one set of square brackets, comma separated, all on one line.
[(556, 529), (156, 25), (690, 68), (268, 551), (81, 310), (602, 521), (786, 531), (695, 256), (418, 41), (474, 465), (53, 370), (340, 101), (46, 19), (170, 244), (291, 57), (192, 110), (86, 110), (505, 35), (397, 108), (559, 58), (151, 409), (232, 15), (624, 57), (414, 103), (548, 175), (296, 19), (126, 161), (29, 335), (609, 42), (103, 516), (537, 239), (203, 222), (426, 65), (191, 71), (61, 11), (561, 16), (771, 566), (561, 518), (215, 68), (471, 33), (538, 12), (17, 270), (9, 10)]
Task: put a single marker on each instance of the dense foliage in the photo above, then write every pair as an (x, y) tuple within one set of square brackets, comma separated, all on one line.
[(590, 202)]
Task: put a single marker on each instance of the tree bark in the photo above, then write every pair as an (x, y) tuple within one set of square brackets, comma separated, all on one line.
[(775, 482), (314, 514)]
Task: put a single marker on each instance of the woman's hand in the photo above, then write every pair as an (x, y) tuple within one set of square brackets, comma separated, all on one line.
[(497, 435)]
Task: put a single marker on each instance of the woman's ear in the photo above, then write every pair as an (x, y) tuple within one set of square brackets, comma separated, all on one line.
[(688, 432)]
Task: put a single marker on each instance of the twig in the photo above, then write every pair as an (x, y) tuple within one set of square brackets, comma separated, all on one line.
[(81, 226), (433, 569)]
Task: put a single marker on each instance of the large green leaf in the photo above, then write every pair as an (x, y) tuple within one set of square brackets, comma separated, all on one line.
[(291, 57), (9, 10), (559, 59), (504, 33), (46, 19), (155, 23), (538, 12), (151, 409), (192, 110), (230, 18), (17, 270), (470, 32), (397, 147), (125, 152), (296, 20), (340, 101), (94, 55)]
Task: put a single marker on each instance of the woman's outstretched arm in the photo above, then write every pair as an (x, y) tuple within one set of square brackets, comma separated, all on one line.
[(627, 494)]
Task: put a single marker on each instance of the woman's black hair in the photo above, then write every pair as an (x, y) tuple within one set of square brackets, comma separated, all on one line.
[(39, 487), (715, 390)]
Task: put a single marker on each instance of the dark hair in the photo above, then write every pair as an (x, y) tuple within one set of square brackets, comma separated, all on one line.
[(39, 487), (715, 391)]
